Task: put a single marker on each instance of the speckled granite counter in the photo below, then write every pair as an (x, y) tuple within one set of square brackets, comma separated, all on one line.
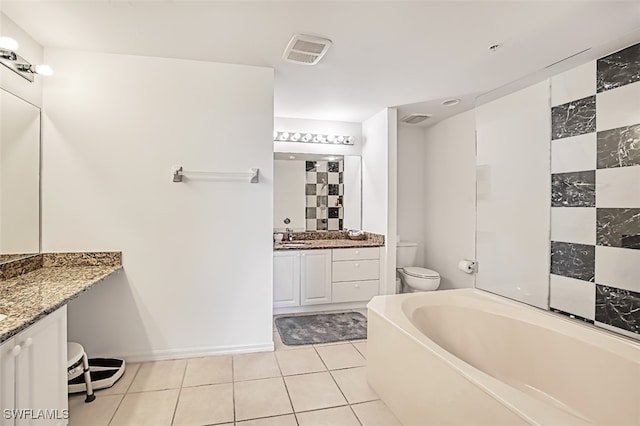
[(327, 240), (26, 298)]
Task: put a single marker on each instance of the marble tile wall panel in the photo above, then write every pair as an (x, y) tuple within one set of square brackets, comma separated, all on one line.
[(573, 225), (619, 107), (618, 228), (574, 154), (573, 260), (619, 68), (618, 267), (574, 296), (573, 118), (324, 191), (618, 187), (618, 308), (575, 189), (619, 147), (577, 83)]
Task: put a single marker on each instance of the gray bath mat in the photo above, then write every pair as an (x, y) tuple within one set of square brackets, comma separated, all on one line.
[(321, 328)]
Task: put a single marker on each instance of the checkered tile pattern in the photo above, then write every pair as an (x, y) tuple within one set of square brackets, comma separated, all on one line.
[(595, 185), (325, 192)]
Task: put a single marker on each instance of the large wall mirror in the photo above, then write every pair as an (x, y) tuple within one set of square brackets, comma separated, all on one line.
[(317, 192), (19, 177)]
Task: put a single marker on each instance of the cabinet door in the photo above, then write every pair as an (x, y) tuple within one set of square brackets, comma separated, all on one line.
[(286, 279), (7, 380), (315, 277), (41, 369)]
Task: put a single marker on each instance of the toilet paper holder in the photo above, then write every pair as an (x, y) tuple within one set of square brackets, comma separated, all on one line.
[(468, 266)]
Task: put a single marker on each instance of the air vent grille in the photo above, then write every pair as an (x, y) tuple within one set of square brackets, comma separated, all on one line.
[(414, 118), (306, 49)]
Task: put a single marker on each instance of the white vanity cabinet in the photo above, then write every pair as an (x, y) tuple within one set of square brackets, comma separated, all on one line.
[(301, 278), (356, 274), (33, 373)]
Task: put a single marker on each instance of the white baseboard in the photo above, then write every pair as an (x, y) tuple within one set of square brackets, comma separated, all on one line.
[(332, 307), (194, 352)]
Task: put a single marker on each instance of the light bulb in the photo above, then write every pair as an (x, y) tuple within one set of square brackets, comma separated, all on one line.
[(7, 43), (317, 138), (308, 137), (296, 137), (340, 139), (331, 138), (350, 139), (323, 139), (284, 136)]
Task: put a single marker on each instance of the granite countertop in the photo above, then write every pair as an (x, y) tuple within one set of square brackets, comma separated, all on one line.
[(26, 298), (325, 244)]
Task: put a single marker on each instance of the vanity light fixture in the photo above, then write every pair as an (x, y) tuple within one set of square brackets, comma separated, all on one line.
[(279, 136), (16, 63)]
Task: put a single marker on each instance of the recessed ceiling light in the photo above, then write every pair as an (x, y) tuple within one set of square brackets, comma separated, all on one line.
[(495, 47), (450, 102)]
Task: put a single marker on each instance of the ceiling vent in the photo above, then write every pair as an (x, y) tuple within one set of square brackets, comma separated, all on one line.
[(414, 118), (306, 49)]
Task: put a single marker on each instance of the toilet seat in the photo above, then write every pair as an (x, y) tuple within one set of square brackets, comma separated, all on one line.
[(418, 272)]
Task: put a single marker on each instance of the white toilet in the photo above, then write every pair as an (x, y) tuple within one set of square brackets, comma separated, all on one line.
[(414, 278)]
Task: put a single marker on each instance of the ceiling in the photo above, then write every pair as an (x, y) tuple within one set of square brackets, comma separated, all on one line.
[(383, 54)]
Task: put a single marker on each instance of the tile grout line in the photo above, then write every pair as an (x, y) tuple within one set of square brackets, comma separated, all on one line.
[(175, 408), (126, 392), (286, 388), (233, 390)]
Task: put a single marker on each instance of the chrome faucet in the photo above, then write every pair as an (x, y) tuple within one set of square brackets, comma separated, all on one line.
[(289, 234)]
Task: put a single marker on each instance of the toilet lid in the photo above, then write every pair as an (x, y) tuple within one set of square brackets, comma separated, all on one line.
[(415, 271)]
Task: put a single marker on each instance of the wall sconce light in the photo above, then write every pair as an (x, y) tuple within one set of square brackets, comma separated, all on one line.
[(279, 136), (16, 63)]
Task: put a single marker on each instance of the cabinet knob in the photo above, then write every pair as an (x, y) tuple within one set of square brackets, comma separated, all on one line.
[(16, 350), (357, 251), (357, 265), (303, 255), (357, 285), (27, 342)]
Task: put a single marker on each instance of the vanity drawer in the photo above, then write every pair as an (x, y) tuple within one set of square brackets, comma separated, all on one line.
[(356, 270), (356, 253), (354, 291)]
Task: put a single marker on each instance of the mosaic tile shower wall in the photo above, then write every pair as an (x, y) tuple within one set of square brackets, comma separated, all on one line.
[(325, 191), (595, 186)]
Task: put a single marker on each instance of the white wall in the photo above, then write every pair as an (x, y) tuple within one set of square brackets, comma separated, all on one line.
[(30, 50), (379, 187), (514, 195), (289, 179), (197, 255), (411, 186), (450, 198), (285, 124)]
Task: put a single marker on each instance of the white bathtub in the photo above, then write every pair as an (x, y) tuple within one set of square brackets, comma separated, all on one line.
[(466, 357)]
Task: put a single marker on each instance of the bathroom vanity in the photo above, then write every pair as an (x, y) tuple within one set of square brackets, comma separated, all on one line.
[(316, 274)]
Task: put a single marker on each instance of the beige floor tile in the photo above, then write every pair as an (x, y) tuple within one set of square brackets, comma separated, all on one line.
[(122, 385), (209, 370), (261, 365), (261, 398), (361, 346), (279, 346), (375, 413), (204, 405), (146, 408), (340, 416), (341, 356), (300, 361), (353, 384), (288, 420), (96, 413), (313, 391), (320, 345), (159, 375)]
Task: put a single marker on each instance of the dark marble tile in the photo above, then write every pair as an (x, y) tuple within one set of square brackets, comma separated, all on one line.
[(341, 177), (333, 166), (341, 224), (322, 201), (575, 189), (618, 308), (310, 189), (619, 147), (619, 69), (572, 316), (573, 118), (322, 225), (310, 166), (618, 228), (573, 260), (310, 213), (323, 177), (334, 189), (334, 212)]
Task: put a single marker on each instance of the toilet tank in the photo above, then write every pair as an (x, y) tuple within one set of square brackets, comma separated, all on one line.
[(406, 253)]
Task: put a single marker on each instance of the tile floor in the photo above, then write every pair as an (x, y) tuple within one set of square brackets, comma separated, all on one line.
[(308, 385)]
